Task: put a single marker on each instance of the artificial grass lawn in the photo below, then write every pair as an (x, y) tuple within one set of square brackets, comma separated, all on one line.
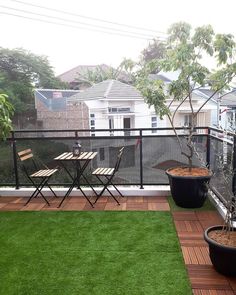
[(90, 253)]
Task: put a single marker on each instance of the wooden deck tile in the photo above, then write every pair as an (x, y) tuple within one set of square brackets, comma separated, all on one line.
[(232, 283), (185, 215), (8, 199), (205, 277), (209, 215), (33, 206), (133, 199), (2, 205), (188, 226), (196, 255), (115, 207), (137, 206), (155, 199), (212, 292), (162, 206), (73, 206), (77, 200), (11, 207), (191, 239)]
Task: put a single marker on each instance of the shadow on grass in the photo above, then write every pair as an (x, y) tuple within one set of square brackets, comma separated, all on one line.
[(208, 206)]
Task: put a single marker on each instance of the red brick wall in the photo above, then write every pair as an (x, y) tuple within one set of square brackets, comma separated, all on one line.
[(75, 116)]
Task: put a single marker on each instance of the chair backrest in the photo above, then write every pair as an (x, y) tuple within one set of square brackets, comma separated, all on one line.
[(24, 156), (120, 153)]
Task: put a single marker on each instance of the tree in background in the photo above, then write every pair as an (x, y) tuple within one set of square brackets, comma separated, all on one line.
[(184, 54), (122, 73), (20, 72), (6, 111), (156, 50)]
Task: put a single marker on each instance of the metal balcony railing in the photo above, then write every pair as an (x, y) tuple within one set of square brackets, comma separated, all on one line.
[(146, 157)]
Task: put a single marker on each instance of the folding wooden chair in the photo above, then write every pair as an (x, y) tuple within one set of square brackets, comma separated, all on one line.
[(38, 177), (105, 176)]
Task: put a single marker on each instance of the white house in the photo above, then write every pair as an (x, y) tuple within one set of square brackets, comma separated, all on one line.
[(116, 105), (112, 104)]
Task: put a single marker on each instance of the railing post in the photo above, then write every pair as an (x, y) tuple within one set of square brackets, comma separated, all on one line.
[(234, 167), (141, 157), (15, 160), (208, 148)]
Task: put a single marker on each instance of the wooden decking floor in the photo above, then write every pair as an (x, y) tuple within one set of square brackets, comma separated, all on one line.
[(190, 226)]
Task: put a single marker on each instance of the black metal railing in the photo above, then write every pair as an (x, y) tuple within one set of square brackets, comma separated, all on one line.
[(148, 153)]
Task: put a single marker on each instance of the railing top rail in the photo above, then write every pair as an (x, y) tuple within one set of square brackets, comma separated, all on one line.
[(101, 130)]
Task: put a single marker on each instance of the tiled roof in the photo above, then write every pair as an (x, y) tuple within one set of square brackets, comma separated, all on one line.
[(109, 89), (73, 74), (229, 100)]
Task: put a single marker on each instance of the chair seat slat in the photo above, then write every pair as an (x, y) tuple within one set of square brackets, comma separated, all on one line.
[(44, 173)]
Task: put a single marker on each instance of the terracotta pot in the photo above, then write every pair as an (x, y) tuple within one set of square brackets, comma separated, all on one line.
[(188, 191), (222, 257)]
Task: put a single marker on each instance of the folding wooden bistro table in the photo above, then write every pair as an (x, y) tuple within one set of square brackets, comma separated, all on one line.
[(79, 163)]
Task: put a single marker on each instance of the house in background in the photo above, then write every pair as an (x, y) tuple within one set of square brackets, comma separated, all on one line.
[(116, 105), (112, 104), (76, 77)]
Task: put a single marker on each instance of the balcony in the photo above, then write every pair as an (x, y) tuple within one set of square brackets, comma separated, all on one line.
[(144, 184)]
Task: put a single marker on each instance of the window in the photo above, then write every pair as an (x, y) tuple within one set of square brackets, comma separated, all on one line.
[(111, 125), (92, 123), (154, 123), (188, 120), (102, 154), (118, 110)]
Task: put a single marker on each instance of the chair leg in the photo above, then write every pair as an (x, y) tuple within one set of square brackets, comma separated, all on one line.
[(37, 191), (105, 188), (117, 190), (52, 190)]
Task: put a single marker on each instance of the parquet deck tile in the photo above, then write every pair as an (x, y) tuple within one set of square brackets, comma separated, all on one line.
[(137, 206), (205, 277), (8, 199), (33, 206), (162, 206), (188, 226), (134, 199), (196, 255), (10, 207), (212, 292), (115, 207), (232, 282), (191, 239), (2, 205), (184, 215), (155, 199)]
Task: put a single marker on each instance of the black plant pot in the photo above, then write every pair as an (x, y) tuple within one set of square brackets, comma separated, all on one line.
[(222, 257), (188, 191)]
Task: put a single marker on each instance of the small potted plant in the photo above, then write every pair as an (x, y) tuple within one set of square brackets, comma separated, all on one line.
[(222, 242), (184, 56), (222, 238)]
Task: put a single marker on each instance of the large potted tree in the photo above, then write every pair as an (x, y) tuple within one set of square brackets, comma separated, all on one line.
[(186, 54)]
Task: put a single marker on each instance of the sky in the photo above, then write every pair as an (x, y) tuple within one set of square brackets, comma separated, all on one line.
[(72, 43)]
